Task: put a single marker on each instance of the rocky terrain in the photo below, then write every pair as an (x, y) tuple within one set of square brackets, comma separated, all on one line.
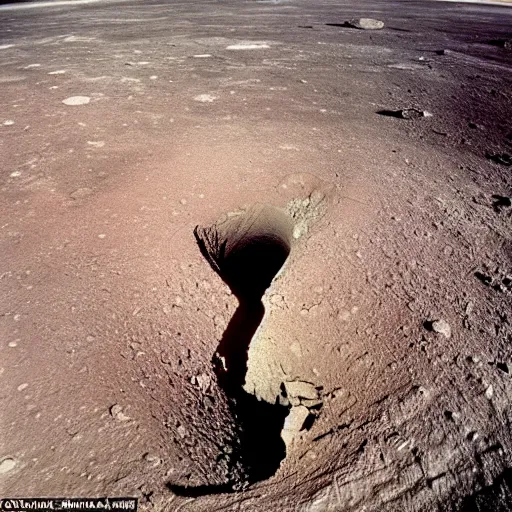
[(257, 255)]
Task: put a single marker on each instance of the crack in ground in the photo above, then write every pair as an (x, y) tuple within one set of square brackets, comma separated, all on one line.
[(247, 250)]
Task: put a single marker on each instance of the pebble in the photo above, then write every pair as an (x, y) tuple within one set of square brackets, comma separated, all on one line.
[(152, 459), (8, 122), (116, 412), (406, 113), (23, 386), (442, 327), (205, 98), (80, 192), (7, 465), (248, 46), (489, 392), (76, 100), (96, 143)]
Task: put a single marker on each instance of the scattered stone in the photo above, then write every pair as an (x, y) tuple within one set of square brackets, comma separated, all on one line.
[(405, 113), (365, 24), (182, 431), (8, 122), (76, 100), (472, 436), (296, 419), (500, 158), (96, 143), (442, 327), (476, 126), (205, 98), (300, 390), (116, 411), (152, 459), (248, 46), (80, 192), (203, 382), (23, 386), (7, 465), (451, 415), (489, 392)]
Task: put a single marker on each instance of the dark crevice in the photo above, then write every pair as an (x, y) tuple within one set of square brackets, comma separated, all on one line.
[(247, 252)]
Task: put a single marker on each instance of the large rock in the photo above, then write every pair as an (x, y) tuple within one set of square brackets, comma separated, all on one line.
[(366, 24)]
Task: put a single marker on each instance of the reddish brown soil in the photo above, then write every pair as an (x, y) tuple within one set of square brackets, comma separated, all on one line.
[(110, 316)]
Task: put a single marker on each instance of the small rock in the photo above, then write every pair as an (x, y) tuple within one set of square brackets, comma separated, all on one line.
[(442, 327), (405, 113), (365, 24), (205, 98), (7, 465), (116, 412), (9, 122), (296, 419), (152, 459), (476, 126), (76, 100), (301, 389), (23, 386), (489, 392), (182, 431), (203, 381), (96, 143), (80, 192), (472, 436)]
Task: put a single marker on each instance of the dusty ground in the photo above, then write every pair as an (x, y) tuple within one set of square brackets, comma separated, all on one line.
[(110, 314)]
